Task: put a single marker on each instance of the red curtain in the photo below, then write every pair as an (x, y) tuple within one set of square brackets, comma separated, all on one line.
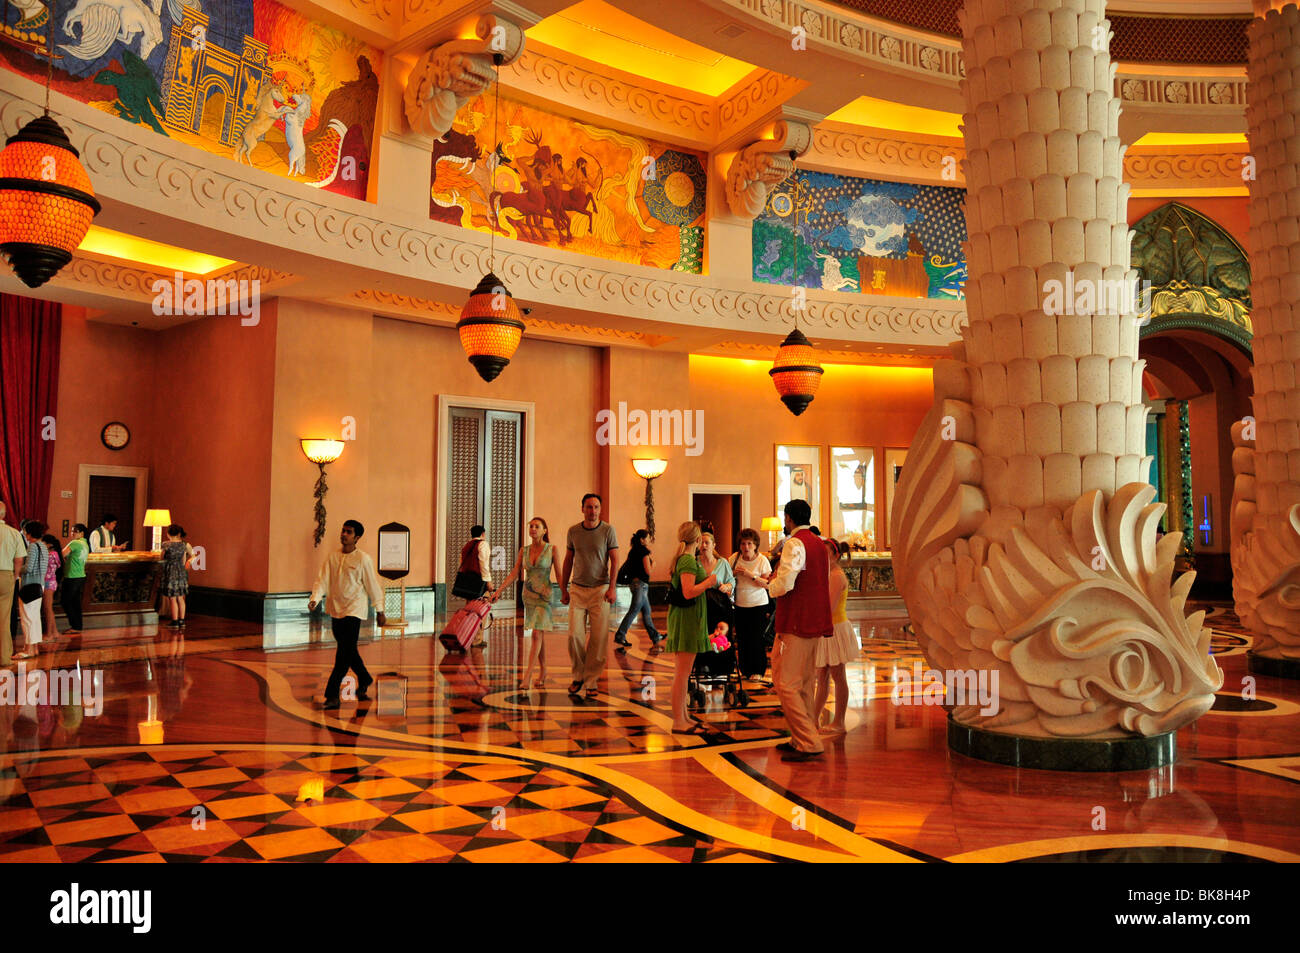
[(30, 331)]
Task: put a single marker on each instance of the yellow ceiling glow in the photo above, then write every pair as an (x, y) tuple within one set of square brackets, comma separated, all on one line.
[(1192, 139), (604, 34), (882, 114), (103, 241)]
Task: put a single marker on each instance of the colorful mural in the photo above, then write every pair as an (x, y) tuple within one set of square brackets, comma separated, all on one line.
[(250, 79), (557, 182), (883, 238)]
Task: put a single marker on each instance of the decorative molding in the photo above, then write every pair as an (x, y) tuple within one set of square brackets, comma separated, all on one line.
[(754, 100), (449, 75), (762, 164), (878, 155), (1222, 167), (1177, 90), (757, 351), (565, 82)]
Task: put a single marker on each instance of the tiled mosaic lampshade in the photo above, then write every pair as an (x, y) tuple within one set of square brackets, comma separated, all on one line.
[(46, 201), (490, 327), (796, 373)]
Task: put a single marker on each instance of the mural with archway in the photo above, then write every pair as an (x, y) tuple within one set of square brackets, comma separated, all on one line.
[(1197, 345)]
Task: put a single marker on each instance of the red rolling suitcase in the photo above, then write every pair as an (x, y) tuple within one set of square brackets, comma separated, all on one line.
[(464, 625)]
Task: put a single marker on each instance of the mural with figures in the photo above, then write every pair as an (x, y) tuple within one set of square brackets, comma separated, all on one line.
[(554, 181), (861, 235), (249, 79)]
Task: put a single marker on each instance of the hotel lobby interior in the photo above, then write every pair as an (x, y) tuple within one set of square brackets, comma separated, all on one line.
[(1008, 291)]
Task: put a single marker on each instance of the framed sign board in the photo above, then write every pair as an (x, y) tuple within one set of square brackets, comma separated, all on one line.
[(394, 550)]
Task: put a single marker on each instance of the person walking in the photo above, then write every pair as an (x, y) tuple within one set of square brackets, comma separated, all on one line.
[(32, 588), (13, 557), (474, 575), (587, 588), (538, 561), (348, 577), (688, 633), (74, 577), (803, 618), (835, 653), (753, 606), (636, 575)]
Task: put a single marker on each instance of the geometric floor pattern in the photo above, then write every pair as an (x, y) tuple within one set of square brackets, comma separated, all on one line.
[(480, 771), (240, 805)]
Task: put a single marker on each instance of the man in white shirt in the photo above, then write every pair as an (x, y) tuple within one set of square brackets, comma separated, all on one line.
[(803, 617), (102, 540), (13, 556), (349, 578)]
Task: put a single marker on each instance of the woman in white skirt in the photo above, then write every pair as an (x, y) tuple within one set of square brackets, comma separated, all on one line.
[(838, 650), (29, 611)]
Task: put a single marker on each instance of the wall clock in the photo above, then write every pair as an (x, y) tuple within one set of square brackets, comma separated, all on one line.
[(115, 435)]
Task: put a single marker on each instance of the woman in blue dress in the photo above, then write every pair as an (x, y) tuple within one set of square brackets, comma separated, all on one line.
[(537, 561)]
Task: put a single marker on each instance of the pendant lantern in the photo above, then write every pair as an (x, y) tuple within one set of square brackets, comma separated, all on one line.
[(796, 373), (490, 327), (46, 201)]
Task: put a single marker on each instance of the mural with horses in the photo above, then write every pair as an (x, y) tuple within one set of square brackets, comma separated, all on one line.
[(550, 180), (253, 80)]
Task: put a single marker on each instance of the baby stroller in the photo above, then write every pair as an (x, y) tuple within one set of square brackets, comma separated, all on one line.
[(715, 668)]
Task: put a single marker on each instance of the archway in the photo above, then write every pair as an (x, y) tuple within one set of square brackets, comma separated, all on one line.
[(1198, 377)]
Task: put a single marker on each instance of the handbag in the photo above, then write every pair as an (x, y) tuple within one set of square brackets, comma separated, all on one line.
[(30, 592), (468, 585), (675, 598)]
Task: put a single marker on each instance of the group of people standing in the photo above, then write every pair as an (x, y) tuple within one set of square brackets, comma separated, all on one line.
[(42, 567), (813, 637)]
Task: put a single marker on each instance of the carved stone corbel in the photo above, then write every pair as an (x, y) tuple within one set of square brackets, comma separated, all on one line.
[(448, 76), (763, 164)]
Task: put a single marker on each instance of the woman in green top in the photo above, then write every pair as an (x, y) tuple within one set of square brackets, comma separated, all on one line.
[(74, 577), (687, 635)]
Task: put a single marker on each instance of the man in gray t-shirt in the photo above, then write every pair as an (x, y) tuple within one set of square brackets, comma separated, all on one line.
[(590, 561)]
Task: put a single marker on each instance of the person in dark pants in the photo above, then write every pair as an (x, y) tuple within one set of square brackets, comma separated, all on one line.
[(74, 576), (348, 577)]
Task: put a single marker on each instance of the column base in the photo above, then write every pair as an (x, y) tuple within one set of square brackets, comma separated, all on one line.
[(1063, 754), (1273, 667)]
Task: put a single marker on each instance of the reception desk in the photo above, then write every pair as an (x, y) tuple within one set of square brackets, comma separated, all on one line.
[(121, 589), (871, 575)]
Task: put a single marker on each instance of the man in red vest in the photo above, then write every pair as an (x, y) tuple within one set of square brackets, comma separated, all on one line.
[(803, 615)]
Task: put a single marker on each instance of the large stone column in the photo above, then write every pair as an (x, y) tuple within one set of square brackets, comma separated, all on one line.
[(1266, 496), (1026, 534)]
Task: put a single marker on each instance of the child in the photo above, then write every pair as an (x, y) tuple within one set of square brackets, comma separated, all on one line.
[(177, 556), (719, 637), (74, 577), (51, 582)]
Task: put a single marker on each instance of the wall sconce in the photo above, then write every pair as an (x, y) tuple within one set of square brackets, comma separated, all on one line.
[(648, 470), (157, 519), (771, 525), (321, 451)]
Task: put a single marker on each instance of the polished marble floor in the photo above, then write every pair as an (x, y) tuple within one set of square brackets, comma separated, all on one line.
[(246, 768)]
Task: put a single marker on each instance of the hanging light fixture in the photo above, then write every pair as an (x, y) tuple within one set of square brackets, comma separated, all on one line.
[(490, 325), (46, 200), (795, 372)]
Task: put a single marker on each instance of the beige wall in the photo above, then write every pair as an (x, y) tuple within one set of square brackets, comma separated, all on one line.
[(387, 374), (197, 400), (217, 409)]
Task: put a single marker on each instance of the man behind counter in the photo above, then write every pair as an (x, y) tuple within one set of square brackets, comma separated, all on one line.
[(102, 541)]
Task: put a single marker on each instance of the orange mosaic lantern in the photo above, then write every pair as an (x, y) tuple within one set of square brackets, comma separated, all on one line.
[(490, 327), (796, 373), (46, 201)]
